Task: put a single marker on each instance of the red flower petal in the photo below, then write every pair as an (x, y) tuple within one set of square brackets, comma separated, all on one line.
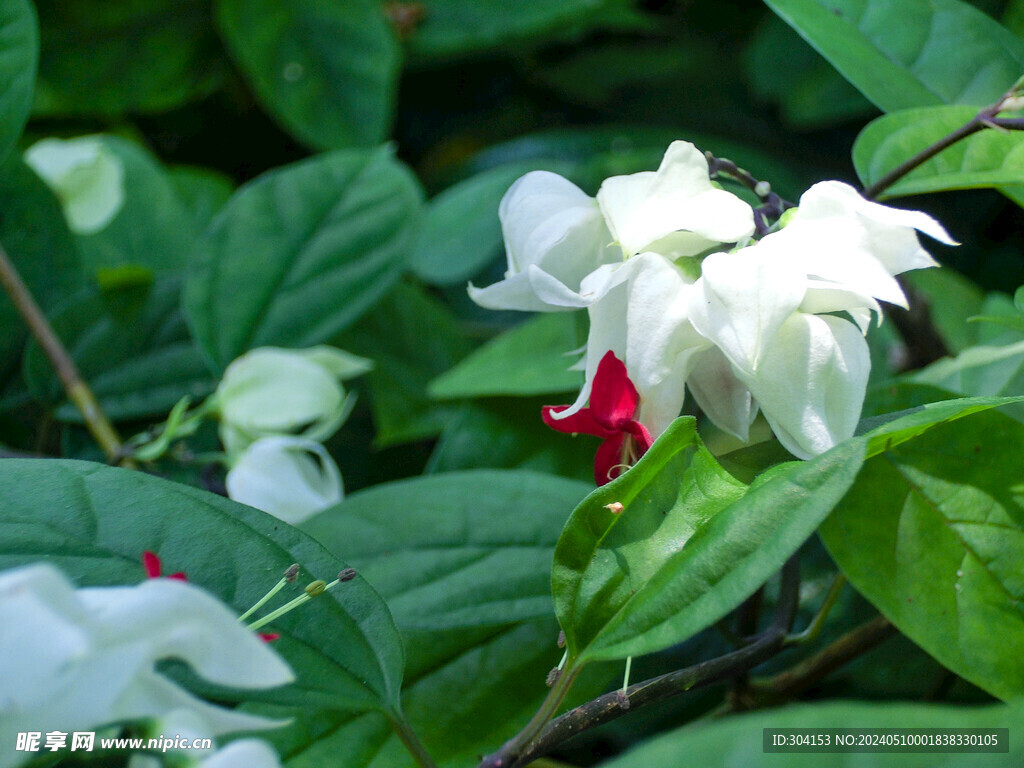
[(180, 576), (151, 562), (580, 423), (269, 637), (613, 399), (608, 461)]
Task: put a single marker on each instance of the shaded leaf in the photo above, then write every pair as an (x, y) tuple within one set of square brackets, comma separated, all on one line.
[(330, 235)]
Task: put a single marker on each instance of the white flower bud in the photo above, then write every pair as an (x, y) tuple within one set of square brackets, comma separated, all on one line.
[(86, 177)]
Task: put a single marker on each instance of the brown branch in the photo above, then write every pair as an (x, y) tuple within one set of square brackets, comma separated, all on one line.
[(77, 390), (617, 703)]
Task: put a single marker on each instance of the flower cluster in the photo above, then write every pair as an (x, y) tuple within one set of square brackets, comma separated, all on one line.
[(675, 285), (80, 659), (275, 407)]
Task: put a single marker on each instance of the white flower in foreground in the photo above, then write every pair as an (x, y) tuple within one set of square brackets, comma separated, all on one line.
[(78, 659), (86, 177), (244, 753), (291, 478), (272, 391), (555, 235)]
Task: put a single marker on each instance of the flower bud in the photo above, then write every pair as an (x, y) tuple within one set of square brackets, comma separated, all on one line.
[(271, 391), (86, 177), (289, 477)]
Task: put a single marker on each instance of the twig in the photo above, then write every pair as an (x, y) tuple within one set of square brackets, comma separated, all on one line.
[(794, 681), (772, 206), (77, 390), (613, 705), (986, 118)]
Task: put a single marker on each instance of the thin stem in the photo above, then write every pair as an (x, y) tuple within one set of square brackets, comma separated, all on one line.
[(818, 622), (410, 740), (986, 118), (77, 390), (613, 705), (799, 678)]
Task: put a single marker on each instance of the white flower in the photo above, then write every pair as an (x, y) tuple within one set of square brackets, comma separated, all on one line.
[(676, 210), (271, 391), (78, 659), (555, 235), (291, 478), (244, 753), (86, 177)]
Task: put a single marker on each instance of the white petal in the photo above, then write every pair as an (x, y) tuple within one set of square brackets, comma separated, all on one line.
[(86, 177), (741, 301), (339, 363), (270, 391), (177, 619), (722, 396), (244, 753), (288, 477), (678, 200), (811, 382), (554, 237), (823, 297)]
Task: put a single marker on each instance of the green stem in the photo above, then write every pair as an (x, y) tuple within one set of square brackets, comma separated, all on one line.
[(818, 622), (515, 747), (77, 390), (411, 741)]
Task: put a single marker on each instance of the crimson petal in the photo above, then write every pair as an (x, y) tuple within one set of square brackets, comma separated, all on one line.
[(582, 422), (613, 399)]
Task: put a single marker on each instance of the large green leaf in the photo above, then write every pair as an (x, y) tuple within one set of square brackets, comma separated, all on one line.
[(105, 59), (739, 741), (19, 51), (910, 53), (133, 348), (461, 232), (688, 546), (411, 337), (451, 28), (95, 522), (933, 535), (463, 560), (35, 236), (531, 359), (327, 71), (987, 159), (152, 232), (691, 543), (455, 550), (299, 253)]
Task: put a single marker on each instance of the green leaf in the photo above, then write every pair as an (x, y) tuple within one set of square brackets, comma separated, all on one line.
[(153, 229), (202, 191), (910, 53), (326, 71), (330, 235), (452, 28), (411, 337), (133, 348), (508, 432), (95, 522), (959, 298), (461, 232), (689, 545), (107, 59), (36, 237), (463, 549), (740, 740), (933, 534), (463, 561), (19, 51), (979, 371), (986, 159), (531, 359)]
